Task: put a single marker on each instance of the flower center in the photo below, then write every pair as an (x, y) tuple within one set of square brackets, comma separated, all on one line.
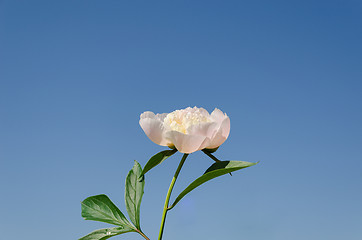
[(181, 120)]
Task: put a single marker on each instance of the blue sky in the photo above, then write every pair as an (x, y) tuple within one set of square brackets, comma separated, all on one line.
[(76, 75)]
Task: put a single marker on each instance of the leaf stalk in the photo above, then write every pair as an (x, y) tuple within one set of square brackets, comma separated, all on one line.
[(211, 156), (142, 234)]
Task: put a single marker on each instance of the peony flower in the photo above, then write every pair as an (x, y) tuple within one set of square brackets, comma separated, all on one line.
[(188, 130)]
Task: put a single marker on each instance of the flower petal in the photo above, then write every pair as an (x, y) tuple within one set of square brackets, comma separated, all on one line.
[(153, 128), (204, 112), (207, 129), (221, 134), (161, 116), (217, 115), (187, 143)]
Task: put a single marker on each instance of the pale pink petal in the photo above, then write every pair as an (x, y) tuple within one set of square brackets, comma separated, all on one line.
[(204, 144), (217, 115), (147, 114), (161, 116), (221, 135), (153, 128), (204, 112), (207, 129), (186, 143)]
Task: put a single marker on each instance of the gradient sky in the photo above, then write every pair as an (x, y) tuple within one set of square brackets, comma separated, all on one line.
[(76, 75)]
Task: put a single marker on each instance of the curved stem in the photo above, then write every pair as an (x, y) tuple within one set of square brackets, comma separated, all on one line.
[(165, 207)]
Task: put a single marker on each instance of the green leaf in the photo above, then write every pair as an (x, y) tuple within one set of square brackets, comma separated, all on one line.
[(215, 170), (157, 159), (134, 193), (101, 208), (103, 234)]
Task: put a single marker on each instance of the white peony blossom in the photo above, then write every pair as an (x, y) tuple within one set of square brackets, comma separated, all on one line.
[(188, 130)]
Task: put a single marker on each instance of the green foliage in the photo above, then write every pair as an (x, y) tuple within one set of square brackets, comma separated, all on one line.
[(215, 170), (133, 193), (157, 159), (103, 234), (101, 208)]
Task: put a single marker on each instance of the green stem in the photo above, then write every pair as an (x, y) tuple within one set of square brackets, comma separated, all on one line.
[(165, 207)]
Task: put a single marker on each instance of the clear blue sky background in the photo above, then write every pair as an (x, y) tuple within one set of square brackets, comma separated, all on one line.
[(76, 75)]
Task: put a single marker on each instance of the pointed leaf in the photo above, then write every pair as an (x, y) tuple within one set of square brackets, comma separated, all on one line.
[(215, 170), (103, 234), (157, 159), (133, 193), (101, 208)]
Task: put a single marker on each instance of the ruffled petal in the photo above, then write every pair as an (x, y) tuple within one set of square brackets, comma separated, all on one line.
[(161, 116), (204, 112), (187, 143)]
